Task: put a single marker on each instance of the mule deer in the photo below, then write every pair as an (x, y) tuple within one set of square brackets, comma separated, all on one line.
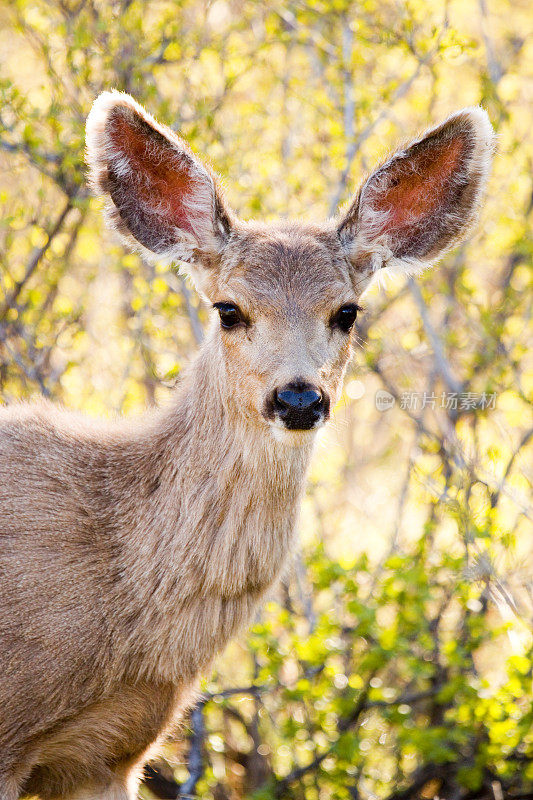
[(131, 552)]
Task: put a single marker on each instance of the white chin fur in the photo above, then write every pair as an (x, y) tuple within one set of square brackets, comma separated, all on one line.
[(293, 437)]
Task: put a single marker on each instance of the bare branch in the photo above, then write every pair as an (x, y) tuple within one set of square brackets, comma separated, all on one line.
[(496, 72), (354, 147), (522, 443), (195, 761), (36, 257), (443, 366)]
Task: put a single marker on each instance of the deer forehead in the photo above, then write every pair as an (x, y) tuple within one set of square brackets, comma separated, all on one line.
[(289, 269)]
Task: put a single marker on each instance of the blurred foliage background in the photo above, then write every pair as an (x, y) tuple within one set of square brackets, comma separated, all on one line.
[(396, 659)]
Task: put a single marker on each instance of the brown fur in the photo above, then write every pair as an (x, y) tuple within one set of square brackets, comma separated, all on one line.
[(131, 552)]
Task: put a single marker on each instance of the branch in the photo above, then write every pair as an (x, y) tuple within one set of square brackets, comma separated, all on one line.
[(354, 147), (495, 70), (30, 370), (23, 147), (36, 258), (178, 284), (422, 775), (453, 384), (345, 724), (523, 441), (195, 761), (169, 789), (257, 689)]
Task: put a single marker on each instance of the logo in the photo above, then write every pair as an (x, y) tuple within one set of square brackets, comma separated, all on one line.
[(384, 400)]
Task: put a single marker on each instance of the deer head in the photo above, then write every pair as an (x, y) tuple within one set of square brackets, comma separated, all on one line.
[(287, 294)]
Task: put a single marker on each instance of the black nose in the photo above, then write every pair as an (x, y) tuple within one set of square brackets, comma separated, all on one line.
[(299, 405)]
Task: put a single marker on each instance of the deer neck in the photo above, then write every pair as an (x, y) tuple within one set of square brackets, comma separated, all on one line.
[(222, 519), (239, 509)]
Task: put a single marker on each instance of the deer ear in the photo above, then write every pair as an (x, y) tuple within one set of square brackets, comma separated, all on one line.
[(161, 199), (423, 200)]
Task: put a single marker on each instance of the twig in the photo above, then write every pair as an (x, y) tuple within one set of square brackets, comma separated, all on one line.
[(495, 496), (303, 590), (29, 370), (358, 142), (36, 257), (495, 71), (178, 284), (452, 383)]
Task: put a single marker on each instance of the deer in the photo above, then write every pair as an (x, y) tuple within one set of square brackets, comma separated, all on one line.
[(132, 550)]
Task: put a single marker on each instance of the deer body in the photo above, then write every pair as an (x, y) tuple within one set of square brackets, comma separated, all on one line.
[(161, 556), (130, 552)]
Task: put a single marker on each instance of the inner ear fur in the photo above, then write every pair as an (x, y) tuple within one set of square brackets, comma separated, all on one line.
[(425, 198), (161, 198)]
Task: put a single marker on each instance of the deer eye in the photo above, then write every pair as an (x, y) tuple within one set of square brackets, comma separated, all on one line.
[(345, 317), (230, 314)]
